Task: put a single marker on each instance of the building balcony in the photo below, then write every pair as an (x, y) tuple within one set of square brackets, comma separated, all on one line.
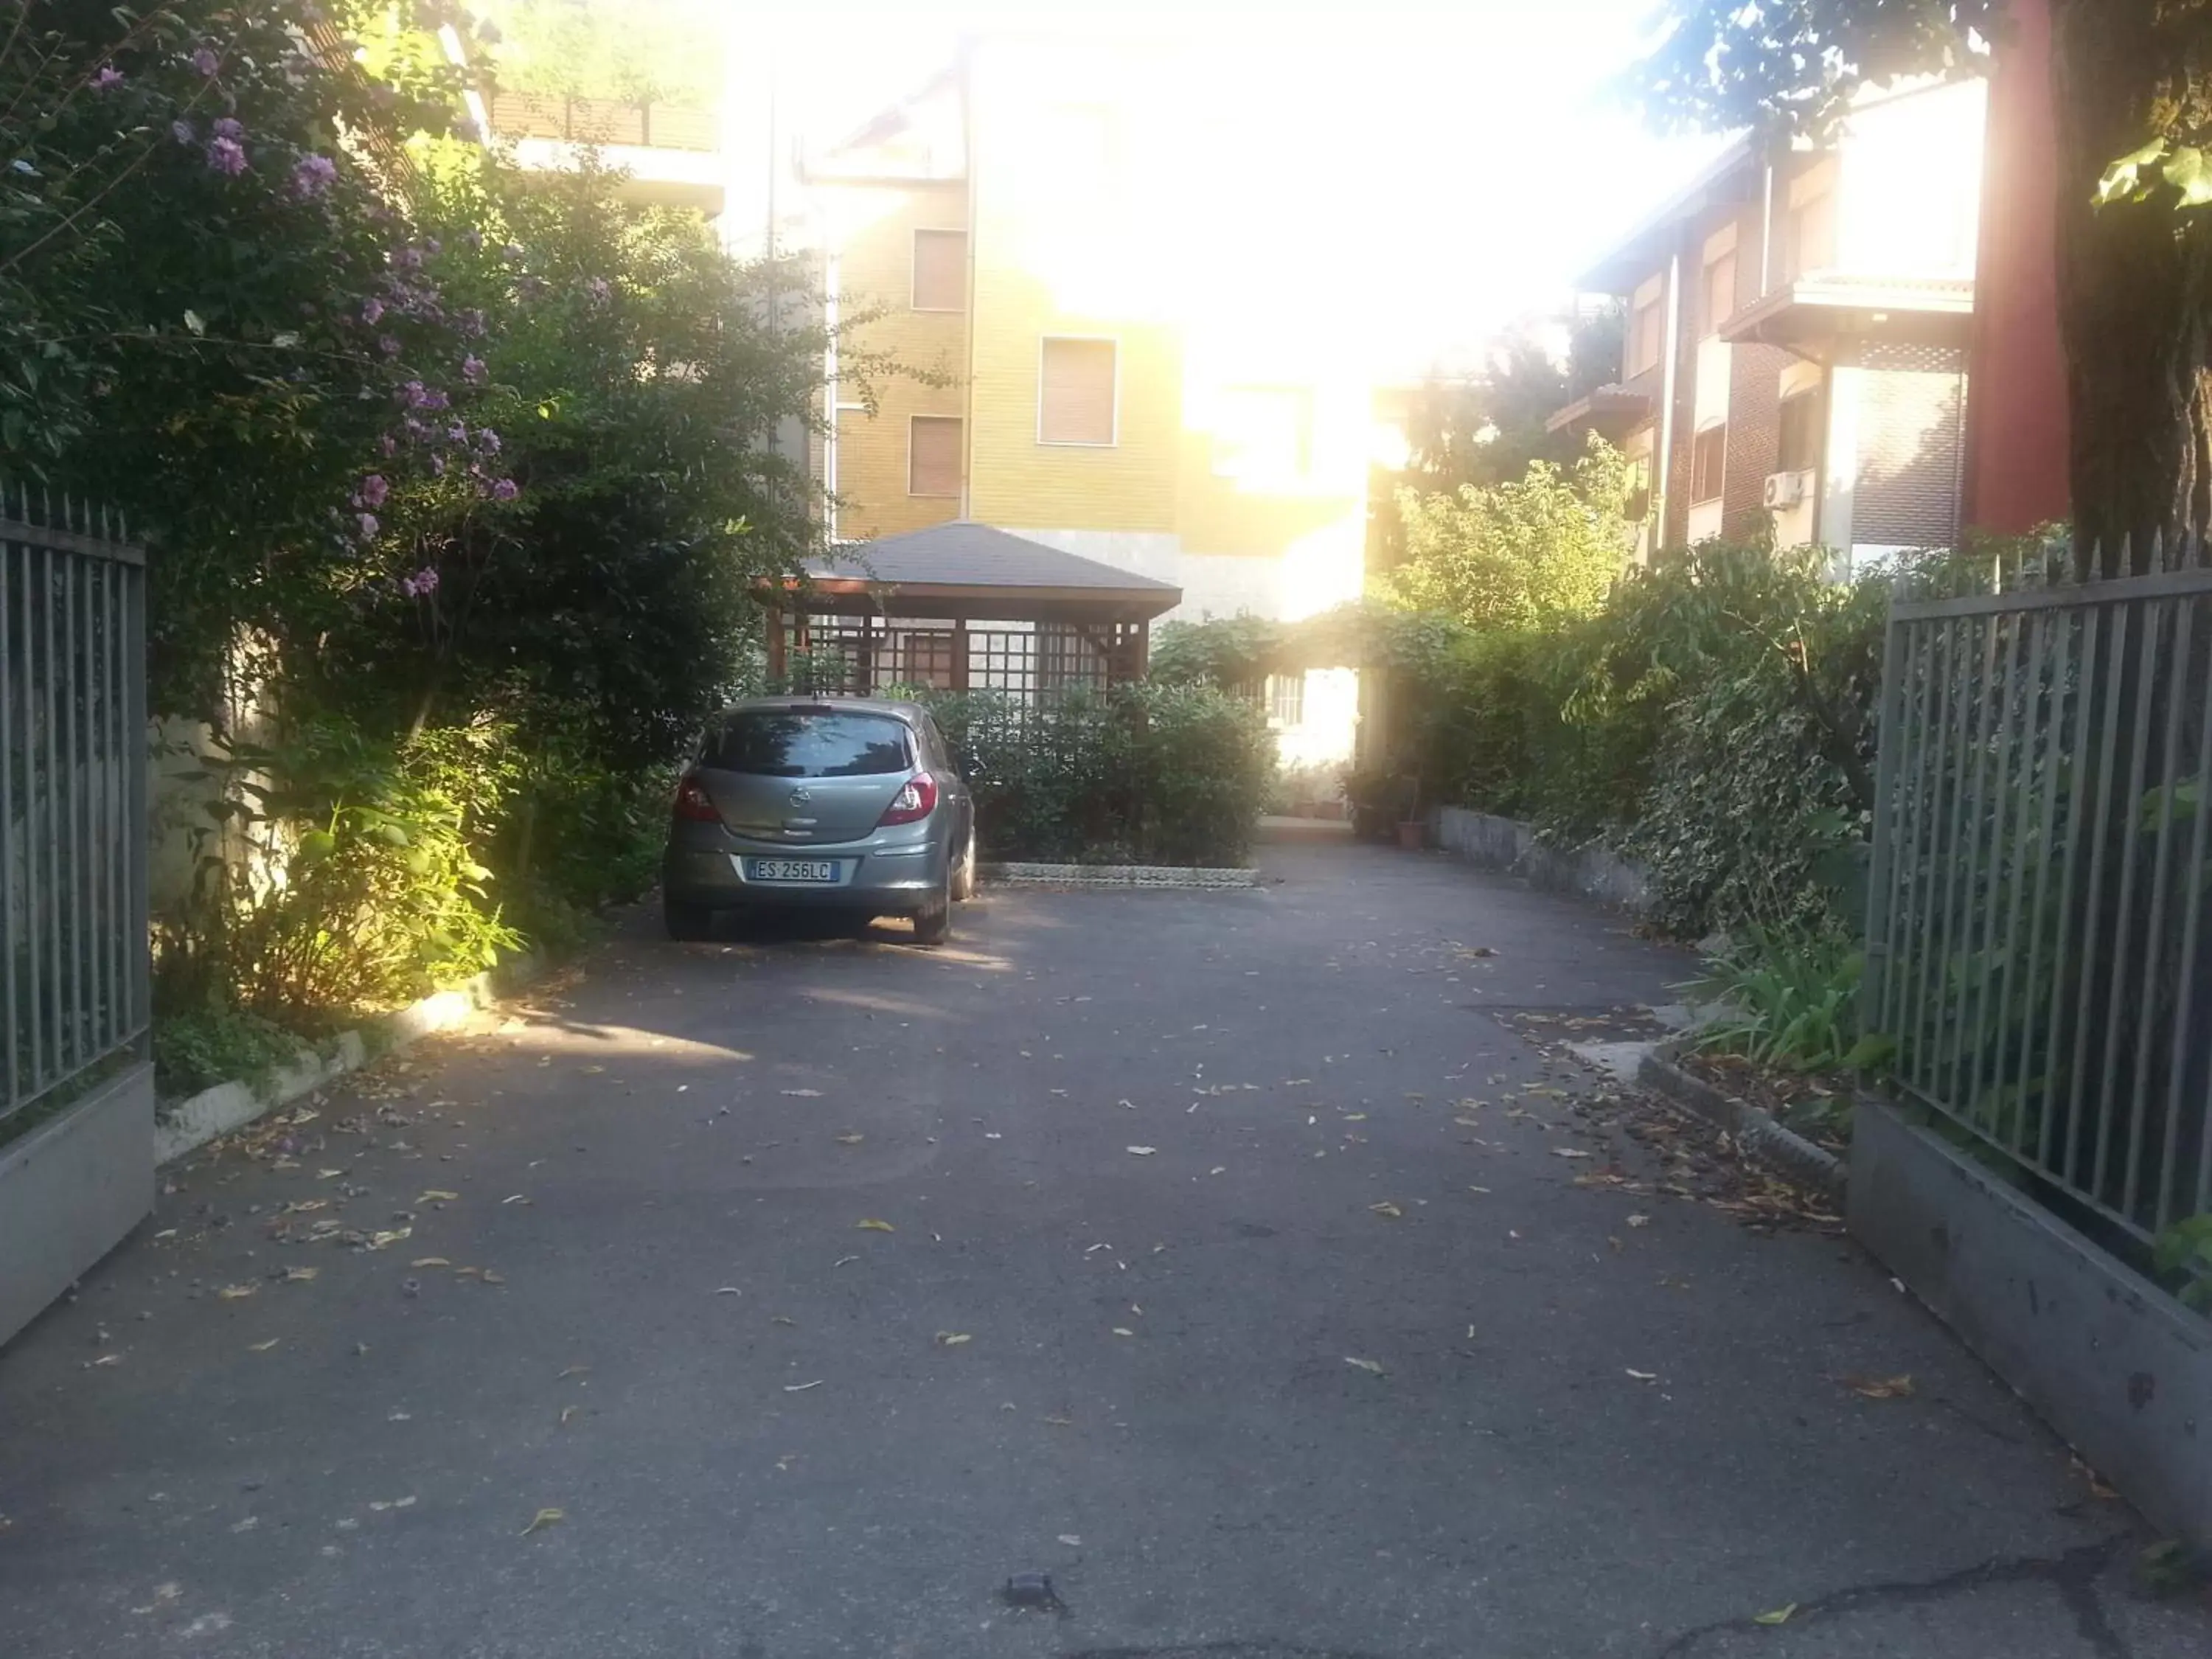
[(1612, 412), (671, 151), (1813, 314)]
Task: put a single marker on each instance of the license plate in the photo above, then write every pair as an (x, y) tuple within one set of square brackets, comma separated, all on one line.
[(801, 870)]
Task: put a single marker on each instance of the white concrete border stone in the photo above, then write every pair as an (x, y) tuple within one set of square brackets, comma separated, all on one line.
[(1166, 877)]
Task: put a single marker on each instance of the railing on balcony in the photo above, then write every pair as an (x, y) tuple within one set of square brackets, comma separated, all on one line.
[(602, 121)]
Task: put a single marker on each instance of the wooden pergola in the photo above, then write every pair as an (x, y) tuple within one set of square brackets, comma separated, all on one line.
[(962, 606)]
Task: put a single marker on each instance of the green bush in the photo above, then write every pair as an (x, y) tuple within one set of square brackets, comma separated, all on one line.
[(1790, 996), (1147, 773), (197, 1048)]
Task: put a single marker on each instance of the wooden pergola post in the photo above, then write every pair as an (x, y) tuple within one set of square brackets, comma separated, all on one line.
[(775, 646)]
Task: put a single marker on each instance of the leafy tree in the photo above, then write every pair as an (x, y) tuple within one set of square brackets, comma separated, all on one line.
[(1523, 554), (639, 51), (2132, 95)]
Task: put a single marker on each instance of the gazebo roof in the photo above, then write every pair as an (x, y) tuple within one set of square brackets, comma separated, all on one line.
[(964, 568)]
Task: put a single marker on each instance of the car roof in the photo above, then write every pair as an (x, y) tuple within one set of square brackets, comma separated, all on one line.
[(909, 712)]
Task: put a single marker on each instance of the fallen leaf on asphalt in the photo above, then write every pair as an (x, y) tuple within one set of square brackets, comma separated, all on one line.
[(572, 1370), (109, 1360), (1123, 1330), (1219, 1169), (850, 1140), (1355, 1117), (783, 1318), (803, 1094), (1568, 1151), (1142, 1151), (1639, 1221), (728, 1290), (237, 1292), (429, 1261), (1879, 1387), (328, 1175), (515, 1198), (1644, 1377), (436, 1196), (1387, 1210), (378, 1241), (1779, 1616), (872, 1226), (544, 1519), (1479, 1189), (298, 1275), (491, 1278), (567, 1412), (801, 1388), (844, 1262), (1371, 1367), (952, 1338), (264, 1347), (1070, 1540)]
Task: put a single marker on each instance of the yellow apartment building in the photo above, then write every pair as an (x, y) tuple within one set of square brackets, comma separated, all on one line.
[(1132, 355)]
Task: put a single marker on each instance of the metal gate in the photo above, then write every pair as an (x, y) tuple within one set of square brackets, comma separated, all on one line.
[(2036, 935), (73, 957)]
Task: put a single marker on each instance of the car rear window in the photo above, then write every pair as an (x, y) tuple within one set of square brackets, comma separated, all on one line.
[(810, 743)]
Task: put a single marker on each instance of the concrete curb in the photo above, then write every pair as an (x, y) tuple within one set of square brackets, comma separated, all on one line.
[(1782, 1149), (1149, 876), (185, 1126)]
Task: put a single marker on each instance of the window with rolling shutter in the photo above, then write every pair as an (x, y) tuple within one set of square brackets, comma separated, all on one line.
[(932, 455), (940, 270), (1075, 392)]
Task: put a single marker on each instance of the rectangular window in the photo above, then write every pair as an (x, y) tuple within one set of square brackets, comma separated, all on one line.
[(1286, 699), (1800, 449), (1647, 333), (940, 270), (1719, 297), (809, 743), (1708, 464), (1811, 244), (932, 455), (1076, 392)]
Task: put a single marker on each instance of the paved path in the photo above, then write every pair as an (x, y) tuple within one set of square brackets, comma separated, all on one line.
[(773, 1433)]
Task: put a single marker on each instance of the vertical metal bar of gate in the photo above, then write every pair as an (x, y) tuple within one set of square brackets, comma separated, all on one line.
[(11, 927)]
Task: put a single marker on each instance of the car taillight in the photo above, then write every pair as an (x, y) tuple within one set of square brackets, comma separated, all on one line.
[(692, 802), (916, 799)]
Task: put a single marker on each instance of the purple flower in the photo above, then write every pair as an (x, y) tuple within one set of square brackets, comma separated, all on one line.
[(312, 175), (372, 309), (388, 444), (205, 61), (407, 258), (598, 289), (374, 489), (367, 523), (413, 395), (457, 433), (504, 490), (530, 288), (182, 131), (473, 324), (226, 156), (227, 127), (388, 344), (488, 441), (421, 585), (472, 370), (437, 465), (436, 400), (109, 76)]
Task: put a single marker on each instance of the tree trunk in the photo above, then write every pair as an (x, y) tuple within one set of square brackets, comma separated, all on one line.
[(2134, 279)]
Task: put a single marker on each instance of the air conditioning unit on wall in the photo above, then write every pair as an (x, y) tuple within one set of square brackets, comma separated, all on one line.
[(1786, 490)]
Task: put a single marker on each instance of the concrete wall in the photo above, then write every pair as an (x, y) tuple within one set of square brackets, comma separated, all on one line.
[(71, 1189), (2117, 1366), (1496, 843)]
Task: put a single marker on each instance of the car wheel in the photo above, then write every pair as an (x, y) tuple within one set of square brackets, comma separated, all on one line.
[(688, 922), (963, 876), (934, 925)]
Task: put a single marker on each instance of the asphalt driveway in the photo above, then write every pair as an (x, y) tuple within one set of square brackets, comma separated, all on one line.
[(779, 1298)]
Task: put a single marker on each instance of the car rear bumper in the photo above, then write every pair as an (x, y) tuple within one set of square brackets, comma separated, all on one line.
[(705, 867)]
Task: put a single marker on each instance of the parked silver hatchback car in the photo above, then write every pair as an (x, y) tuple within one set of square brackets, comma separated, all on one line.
[(794, 802)]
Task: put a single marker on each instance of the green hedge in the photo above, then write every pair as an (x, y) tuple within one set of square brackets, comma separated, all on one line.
[(1146, 773)]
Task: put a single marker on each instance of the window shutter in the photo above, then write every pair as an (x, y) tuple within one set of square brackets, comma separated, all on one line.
[(933, 455), (1076, 393), (940, 270)]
